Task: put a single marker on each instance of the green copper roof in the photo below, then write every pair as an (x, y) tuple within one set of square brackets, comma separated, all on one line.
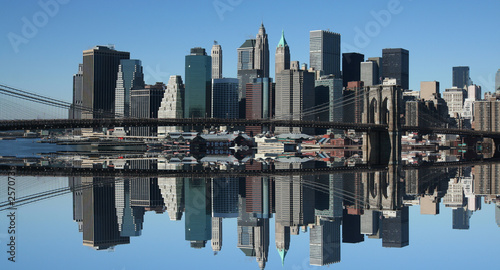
[(282, 253), (282, 42)]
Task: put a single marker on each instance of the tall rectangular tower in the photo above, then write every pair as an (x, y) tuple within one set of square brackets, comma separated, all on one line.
[(100, 69), (294, 94), (130, 76), (461, 77), (351, 67), (225, 98), (75, 111), (198, 76), (324, 52), (216, 61), (261, 60), (396, 65)]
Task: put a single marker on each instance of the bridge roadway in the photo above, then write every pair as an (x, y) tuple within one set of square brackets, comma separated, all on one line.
[(6, 125), (133, 122), (209, 173)]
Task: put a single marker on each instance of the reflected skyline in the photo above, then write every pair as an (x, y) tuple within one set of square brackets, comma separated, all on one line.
[(331, 208)]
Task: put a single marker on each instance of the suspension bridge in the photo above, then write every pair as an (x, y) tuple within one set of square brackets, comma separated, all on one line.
[(382, 105)]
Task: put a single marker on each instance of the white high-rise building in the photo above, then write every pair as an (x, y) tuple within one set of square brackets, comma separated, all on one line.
[(171, 104), (216, 61), (129, 77)]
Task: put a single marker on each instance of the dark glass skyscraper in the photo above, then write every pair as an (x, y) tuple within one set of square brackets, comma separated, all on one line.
[(100, 69), (130, 76), (396, 65), (145, 104), (225, 98), (324, 52), (351, 67), (198, 83), (461, 77)]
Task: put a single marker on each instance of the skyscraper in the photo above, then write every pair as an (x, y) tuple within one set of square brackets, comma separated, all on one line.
[(216, 61), (369, 73), (100, 71), (282, 56), (246, 54), (216, 234), (198, 220), (261, 60), (100, 226), (294, 95), (259, 102), (396, 65), (324, 52), (130, 76), (197, 102), (172, 192), (75, 111), (351, 67), (396, 230), (461, 77), (172, 104), (497, 81), (332, 87), (324, 242), (144, 103), (225, 98)]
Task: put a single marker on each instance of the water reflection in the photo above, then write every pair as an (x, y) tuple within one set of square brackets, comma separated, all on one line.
[(332, 208)]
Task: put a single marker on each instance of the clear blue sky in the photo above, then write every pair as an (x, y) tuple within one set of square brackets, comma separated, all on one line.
[(438, 34)]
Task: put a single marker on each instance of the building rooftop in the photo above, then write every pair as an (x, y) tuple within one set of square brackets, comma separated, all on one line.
[(282, 42)]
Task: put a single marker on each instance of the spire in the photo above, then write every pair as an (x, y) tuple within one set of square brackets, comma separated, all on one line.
[(262, 29), (282, 253), (282, 42)]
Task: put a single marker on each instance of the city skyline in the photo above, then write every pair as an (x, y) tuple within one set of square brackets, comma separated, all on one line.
[(396, 31)]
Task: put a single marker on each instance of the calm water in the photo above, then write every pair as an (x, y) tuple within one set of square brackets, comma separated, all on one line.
[(448, 217)]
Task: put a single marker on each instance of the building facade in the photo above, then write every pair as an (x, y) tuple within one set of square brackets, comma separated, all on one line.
[(100, 71), (75, 111), (487, 115), (198, 84), (261, 59), (130, 76), (294, 95), (260, 96), (172, 105), (429, 90), (351, 67), (282, 56), (395, 64), (216, 61), (324, 52), (455, 98), (369, 73), (225, 98), (145, 103), (461, 77)]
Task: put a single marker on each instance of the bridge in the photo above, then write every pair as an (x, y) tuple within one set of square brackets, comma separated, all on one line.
[(381, 106), (151, 122)]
